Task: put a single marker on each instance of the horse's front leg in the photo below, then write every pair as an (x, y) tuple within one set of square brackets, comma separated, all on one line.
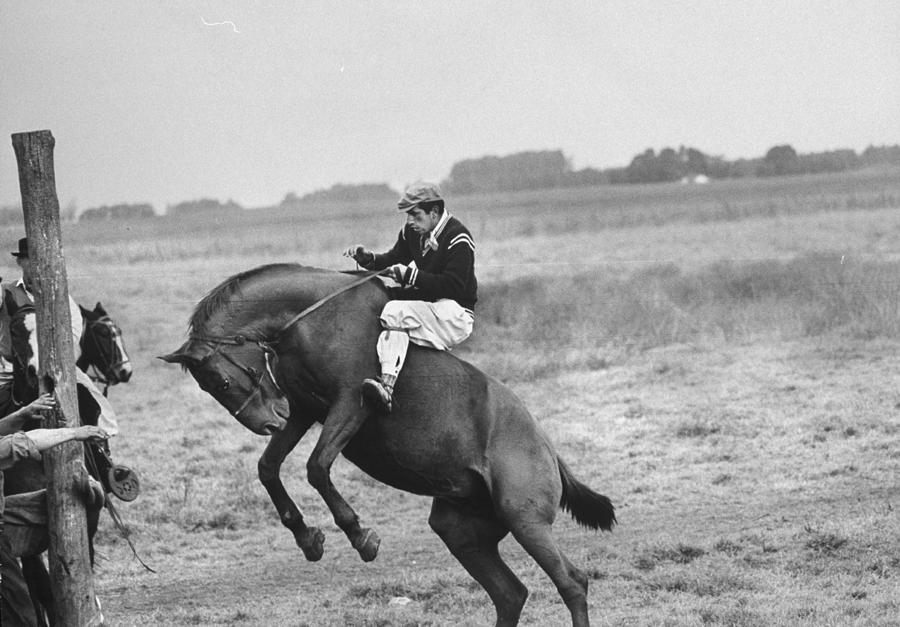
[(343, 421), (310, 539)]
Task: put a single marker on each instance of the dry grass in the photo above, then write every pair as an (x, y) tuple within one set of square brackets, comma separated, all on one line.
[(729, 383)]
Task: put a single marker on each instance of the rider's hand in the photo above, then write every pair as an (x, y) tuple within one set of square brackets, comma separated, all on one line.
[(44, 401), (398, 272), (360, 254)]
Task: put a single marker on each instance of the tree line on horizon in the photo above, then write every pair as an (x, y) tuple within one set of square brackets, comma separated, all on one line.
[(531, 170), (551, 169)]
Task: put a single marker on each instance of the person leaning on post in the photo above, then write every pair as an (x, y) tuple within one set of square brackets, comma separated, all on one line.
[(23, 517), (18, 295)]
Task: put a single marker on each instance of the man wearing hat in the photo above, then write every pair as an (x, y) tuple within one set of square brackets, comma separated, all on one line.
[(433, 260), (20, 293), (18, 296)]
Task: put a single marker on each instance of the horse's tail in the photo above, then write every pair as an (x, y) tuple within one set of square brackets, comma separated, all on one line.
[(588, 508)]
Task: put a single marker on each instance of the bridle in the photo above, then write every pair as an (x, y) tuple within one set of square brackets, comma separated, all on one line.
[(104, 348), (255, 376)]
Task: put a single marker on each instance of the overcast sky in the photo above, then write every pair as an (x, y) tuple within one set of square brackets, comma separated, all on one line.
[(168, 101)]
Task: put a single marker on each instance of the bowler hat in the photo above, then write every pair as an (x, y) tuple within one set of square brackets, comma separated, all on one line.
[(419, 193), (23, 248)]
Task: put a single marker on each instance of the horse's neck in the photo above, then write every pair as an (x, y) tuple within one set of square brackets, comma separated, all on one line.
[(267, 307)]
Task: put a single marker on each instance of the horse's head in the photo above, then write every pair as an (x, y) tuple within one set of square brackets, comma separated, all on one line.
[(25, 355), (238, 374), (102, 347)]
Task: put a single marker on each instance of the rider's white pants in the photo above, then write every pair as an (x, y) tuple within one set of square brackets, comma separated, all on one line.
[(440, 325)]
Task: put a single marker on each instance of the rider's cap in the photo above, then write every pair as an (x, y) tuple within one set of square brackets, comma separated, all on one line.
[(418, 193), (23, 248)]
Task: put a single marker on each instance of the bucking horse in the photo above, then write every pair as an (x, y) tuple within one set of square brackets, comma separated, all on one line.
[(284, 346)]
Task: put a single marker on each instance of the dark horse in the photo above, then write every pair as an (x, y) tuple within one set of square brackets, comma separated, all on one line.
[(455, 434), (102, 355)]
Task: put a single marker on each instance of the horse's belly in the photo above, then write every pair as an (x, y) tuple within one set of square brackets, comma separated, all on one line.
[(415, 460)]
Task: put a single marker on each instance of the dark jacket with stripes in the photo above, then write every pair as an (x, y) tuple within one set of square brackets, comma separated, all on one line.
[(448, 272)]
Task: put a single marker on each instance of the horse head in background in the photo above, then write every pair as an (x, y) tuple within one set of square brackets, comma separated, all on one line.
[(100, 354), (103, 356), (25, 355)]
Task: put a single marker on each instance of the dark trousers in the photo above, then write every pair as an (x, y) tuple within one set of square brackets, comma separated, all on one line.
[(15, 606)]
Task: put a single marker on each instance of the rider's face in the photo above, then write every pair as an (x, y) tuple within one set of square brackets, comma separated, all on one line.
[(422, 221)]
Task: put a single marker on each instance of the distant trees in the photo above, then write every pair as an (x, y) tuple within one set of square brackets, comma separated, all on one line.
[(587, 176), (204, 205), (550, 168), (12, 214), (668, 165), (120, 211), (779, 161), (533, 170), (524, 170), (874, 155), (375, 192)]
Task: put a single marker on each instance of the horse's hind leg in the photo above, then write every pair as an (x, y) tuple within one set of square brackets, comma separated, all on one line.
[(571, 583), (472, 539), (532, 530), (527, 503), (310, 539)]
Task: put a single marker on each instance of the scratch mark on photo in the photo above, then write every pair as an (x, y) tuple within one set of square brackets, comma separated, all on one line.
[(224, 23)]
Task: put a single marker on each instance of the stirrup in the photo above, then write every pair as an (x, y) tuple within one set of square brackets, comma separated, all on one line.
[(376, 392)]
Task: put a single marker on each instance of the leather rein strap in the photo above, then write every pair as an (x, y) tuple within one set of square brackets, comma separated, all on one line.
[(365, 277)]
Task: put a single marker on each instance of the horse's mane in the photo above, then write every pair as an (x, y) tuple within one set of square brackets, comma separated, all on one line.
[(223, 292), (226, 290)]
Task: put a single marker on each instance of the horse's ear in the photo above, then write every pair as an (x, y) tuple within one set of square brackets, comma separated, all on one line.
[(176, 358), (183, 356), (98, 308)]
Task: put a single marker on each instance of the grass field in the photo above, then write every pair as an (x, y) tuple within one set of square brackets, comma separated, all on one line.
[(721, 360)]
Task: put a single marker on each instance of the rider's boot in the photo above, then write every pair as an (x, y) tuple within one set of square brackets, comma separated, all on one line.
[(380, 391)]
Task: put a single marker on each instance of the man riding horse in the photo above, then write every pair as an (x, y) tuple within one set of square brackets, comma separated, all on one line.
[(433, 261)]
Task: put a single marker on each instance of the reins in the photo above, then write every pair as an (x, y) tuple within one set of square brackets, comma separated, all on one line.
[(120, 525), (266, 345), (365, 277)]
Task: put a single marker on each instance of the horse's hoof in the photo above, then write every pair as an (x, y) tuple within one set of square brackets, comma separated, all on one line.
[(366, 544), (312, 541)]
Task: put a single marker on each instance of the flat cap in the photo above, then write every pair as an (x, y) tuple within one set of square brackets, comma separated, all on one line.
[(418, 193)]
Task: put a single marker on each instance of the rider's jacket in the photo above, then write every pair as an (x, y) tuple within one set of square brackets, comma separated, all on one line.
[(441, 264)]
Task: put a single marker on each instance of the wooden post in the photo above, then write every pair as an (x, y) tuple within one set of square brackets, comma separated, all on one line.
[(70, 569)]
